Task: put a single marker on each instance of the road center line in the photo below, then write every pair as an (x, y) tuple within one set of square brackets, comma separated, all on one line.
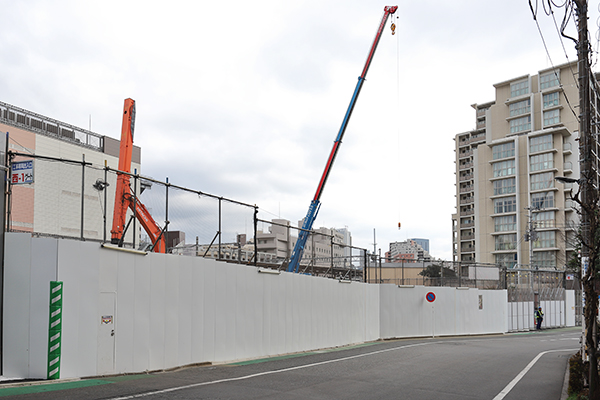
[(521, 374)]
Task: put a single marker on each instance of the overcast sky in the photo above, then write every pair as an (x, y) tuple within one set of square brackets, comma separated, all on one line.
[(243, 99)]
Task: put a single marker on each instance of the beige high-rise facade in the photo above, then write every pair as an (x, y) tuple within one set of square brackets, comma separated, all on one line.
[(510, 210)]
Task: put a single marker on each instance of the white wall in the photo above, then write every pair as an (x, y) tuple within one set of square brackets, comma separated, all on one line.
[(570, 308), (521, 315), (405, 312), (171, 310)]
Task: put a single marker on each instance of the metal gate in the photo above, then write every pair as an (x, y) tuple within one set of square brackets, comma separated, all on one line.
[(530, 289)]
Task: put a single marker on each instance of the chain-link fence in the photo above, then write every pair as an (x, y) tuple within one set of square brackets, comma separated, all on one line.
[(326, 252), (76, 199), (434, 273)]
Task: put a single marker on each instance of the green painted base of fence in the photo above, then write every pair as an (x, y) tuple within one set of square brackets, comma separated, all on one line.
[(55, 329)]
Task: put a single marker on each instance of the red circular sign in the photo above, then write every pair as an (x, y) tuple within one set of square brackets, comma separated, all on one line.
[(430, 297)]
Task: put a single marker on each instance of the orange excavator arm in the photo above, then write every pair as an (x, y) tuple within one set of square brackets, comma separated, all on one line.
[(123, 197)]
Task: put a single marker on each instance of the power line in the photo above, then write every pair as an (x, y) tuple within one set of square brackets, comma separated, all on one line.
[(548, 12)]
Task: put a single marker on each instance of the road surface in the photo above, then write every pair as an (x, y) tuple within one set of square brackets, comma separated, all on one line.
[(528, 365)]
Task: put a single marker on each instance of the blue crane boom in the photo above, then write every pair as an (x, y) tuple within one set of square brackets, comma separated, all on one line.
[(315, 204)]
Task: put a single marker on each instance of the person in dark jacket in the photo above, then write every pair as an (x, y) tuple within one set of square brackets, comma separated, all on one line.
[(539, 317)]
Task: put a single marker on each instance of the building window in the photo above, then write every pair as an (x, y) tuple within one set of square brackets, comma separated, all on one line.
[(544, 240), (542, 181), (520, 124), (549, 80), (541, 161), (506, 242), (551, 117), (519, 88), (504, 186), (505, 223), (520, 108), (550, 100), (545, 259), (542, 200), (503, 150), (540, 143), (505, 205), (507, 260), (544, 219), (504, 168)]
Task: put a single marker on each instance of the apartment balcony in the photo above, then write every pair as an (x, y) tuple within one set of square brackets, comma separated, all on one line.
[(467, 200), (570, 205), (469, 236), (464, 141), (465, 154), (469, 211), (467, 249), (467, 225), (479, 137), (568, 168), (466, 189), (466, 165), (567, 148), (465, 177)]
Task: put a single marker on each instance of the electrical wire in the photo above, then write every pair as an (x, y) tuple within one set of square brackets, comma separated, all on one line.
[(23, 148), (597, 38), (568, 13), (565, 51)]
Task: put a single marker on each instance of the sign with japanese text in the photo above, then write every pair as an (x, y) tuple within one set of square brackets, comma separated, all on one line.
[(21, 172)]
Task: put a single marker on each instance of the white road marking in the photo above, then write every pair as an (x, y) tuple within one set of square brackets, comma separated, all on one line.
[(500, 395), (521, 374), (193, 385)]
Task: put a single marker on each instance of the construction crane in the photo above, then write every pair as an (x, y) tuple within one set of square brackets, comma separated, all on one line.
[(124, 198), (315, 204)]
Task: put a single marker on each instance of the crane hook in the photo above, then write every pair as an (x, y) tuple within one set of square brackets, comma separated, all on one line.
[(393, 28)]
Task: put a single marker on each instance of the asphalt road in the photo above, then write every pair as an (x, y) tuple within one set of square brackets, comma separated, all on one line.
[(515, 366)]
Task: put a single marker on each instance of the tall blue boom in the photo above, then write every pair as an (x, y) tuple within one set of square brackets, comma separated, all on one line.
[(315, 204)]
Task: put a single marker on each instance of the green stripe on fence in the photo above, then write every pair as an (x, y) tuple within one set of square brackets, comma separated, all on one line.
[(55, 329)]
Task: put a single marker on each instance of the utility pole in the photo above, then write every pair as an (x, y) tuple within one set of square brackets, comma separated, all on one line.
[(374, 257), (588, 200), (531, 236)]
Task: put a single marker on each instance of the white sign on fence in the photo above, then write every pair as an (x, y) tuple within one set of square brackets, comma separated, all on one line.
[(21, 172)]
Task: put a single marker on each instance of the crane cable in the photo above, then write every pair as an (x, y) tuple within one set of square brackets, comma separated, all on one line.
[(393, 26)]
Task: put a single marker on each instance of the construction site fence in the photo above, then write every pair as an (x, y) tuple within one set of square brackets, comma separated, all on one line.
[(75, 199), (467, 274)]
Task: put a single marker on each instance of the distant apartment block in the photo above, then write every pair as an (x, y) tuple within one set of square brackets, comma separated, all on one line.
[(407, 250), (510, 210), (322, 247), (424, 243)]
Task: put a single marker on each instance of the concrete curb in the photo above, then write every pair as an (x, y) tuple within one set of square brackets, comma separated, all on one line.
[(565, 387)]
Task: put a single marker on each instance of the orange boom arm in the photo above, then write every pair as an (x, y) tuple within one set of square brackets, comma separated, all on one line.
[(123, 197)]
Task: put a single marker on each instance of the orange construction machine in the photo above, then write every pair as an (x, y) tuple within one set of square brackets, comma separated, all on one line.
[(124, 197)]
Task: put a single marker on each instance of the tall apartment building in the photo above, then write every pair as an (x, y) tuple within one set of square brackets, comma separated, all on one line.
[(506, 192)]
